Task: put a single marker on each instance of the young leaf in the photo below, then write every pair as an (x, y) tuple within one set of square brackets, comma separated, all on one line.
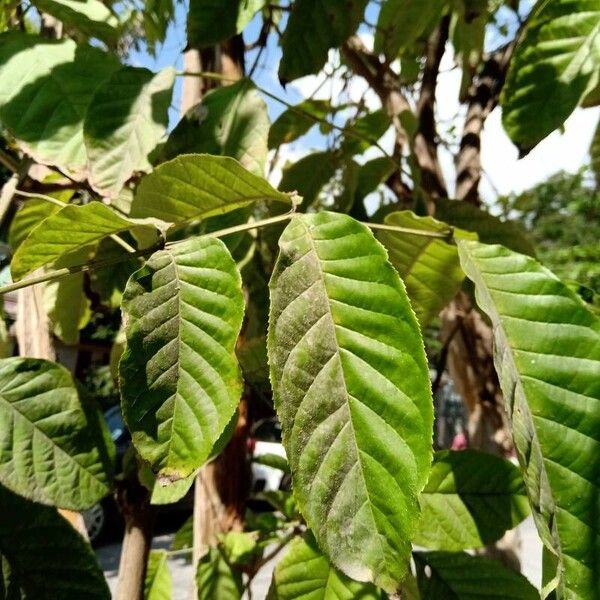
[(548, 360), (71, 228), (305, 574), (209, 22), (315, 26), (556, 63), (470, 500), (48, 558), (428, 266), (180, 382), (158, 584), (54, 449), (52, 79), (126, 118), (463, 577), (351, 388), (197, 186), (230, 121), (296, 121), (401, 22), (216, 579), (90, 17)]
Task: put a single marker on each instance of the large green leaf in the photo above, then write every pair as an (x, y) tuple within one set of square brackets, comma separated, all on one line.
[(180, 382), (401, 22), (52, 79), (308, 175), (428, 266), (194, 186), (351, 388), (69, 229), (158, 584), (48, 559), (230, 121), (315, 26), (216, 579), (306, 574), (556, 63), (489, 229), (458, 576), (126, 118), (297, 120), (470, 500), (54, 448), (90, 17), (548, 360), (212, 21)]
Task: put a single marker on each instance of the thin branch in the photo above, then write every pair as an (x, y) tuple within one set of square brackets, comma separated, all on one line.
[(8, 161)]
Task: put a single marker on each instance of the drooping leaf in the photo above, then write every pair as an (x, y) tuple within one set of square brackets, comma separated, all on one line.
[(373, 173), (195, 186), (71, 228), (489, 229), (230, 121), (401, 22), (595, 154), (315, 26), (463, 577), (364, 132), (556, 63), (180, 382), (127, 116), (305, 574), (548, 359), (216, 579), (48, 558), (428, 266), (351, 388), (158, 584), (308, 175), (210, 22), (470, 500), (90, 17), (54, 448), (52, 79), (296, 121), (65, 301), (31, 214)]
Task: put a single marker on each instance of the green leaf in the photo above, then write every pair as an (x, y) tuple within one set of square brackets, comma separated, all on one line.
[(315, 26), (239, 547), (180, 382), (364, 132), (305, 574), (90, 17), (216, 579), (65, 300), (197, 186), (184, 536), (272, 460), (595, 154), (296, 121), (489, 229), (372, 174), (210, 22), (282, 501), (230, 121), (54, 448), (556, 63), (52, 79), (71, 228), (548, 359), (351, 388), (48, 559), (158, 584), (308, 175), (126, 118), (401, 22), (428, 266), (463, 577), (31, 214), (470, 500)]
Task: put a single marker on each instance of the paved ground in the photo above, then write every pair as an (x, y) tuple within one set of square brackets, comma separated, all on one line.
[(181, 570)]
